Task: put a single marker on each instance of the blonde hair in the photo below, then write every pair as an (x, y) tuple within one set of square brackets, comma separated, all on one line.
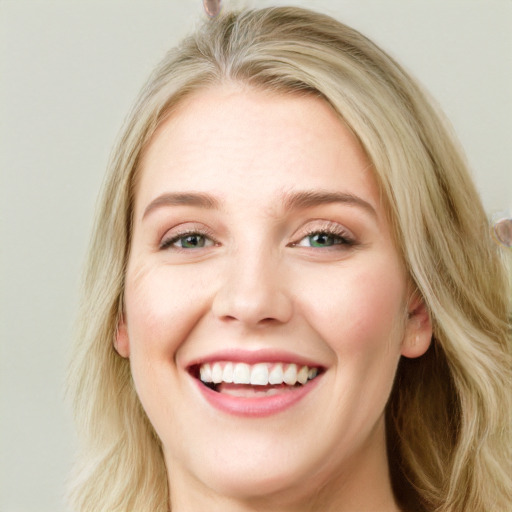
[(448, 416)]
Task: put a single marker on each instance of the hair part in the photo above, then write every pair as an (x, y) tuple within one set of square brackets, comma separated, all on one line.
[(448, 416)]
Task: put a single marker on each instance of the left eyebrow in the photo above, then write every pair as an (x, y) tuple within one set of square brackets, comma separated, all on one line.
[(309, 199)]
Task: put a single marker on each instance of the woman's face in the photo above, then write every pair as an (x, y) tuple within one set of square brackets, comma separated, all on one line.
[(261, 254)]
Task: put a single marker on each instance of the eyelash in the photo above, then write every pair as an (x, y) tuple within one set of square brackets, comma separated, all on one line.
[(341, 235), (343, 238), (167, 243)]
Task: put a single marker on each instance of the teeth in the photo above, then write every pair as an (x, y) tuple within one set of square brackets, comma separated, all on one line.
[(227, 375), (242, 374), (290, 375), (217, 373), (276, 375), (302, 375), (205, 373), (261, 374)]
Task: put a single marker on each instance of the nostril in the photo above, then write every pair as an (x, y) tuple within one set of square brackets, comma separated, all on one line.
[(268, 320)]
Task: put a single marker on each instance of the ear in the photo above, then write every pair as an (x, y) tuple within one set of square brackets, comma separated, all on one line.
[(121, 340), (418, 330)]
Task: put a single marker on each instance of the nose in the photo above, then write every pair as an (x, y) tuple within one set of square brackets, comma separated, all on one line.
[(253, 291)]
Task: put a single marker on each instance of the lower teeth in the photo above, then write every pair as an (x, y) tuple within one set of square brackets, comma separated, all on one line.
[(244, 390)]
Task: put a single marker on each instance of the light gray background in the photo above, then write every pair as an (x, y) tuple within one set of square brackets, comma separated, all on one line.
[(69, 72)]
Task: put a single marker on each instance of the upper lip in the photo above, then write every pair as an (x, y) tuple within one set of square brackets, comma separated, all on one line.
[(253, 357)]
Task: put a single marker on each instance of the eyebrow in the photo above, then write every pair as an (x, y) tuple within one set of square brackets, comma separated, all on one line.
[(292, 200), (309, 199), (198, 200)]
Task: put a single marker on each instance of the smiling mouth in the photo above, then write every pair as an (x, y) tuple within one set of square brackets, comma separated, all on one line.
[(254, 380)]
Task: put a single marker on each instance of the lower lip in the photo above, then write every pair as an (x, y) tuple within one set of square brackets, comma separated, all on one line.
[(259, 406)]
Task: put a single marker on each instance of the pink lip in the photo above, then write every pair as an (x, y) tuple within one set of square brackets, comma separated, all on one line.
[(256, 407), (259, 406)]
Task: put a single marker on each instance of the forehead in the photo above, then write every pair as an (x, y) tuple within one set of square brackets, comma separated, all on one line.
[(235, 139)]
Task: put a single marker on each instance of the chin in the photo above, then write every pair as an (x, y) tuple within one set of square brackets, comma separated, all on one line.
[(254, 483), (252, 467)]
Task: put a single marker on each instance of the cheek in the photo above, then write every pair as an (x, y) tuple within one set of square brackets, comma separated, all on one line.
[(360, 310), (162, 306)]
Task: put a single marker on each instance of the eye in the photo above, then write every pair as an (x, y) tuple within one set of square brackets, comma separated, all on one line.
[(322, 239), (332, 236), (190, 240)]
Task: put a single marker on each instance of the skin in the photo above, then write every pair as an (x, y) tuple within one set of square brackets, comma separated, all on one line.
[(259, 282)]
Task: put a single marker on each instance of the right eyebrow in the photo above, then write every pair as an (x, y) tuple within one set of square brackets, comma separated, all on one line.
[(181, 199)]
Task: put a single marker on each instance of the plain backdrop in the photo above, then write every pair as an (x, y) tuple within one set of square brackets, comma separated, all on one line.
[(69, 71)]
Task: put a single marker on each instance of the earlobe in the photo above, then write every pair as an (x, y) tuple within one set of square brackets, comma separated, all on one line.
[(418, 331), (121, 340)]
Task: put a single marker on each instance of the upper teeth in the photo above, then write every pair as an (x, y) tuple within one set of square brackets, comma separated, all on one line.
[(260, 374)]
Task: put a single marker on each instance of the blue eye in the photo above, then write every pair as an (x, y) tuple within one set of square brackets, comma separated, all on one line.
[(187, 241), (324, 239), (194, 241)]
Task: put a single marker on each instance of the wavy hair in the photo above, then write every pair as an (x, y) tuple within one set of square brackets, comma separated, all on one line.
[(449, 413)]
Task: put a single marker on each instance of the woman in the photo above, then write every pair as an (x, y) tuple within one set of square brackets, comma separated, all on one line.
[(292, 300)]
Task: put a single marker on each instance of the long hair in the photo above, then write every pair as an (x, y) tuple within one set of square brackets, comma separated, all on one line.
[(448, 416)]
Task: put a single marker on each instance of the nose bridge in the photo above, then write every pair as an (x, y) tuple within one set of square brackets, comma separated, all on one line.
[(252, 288)]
